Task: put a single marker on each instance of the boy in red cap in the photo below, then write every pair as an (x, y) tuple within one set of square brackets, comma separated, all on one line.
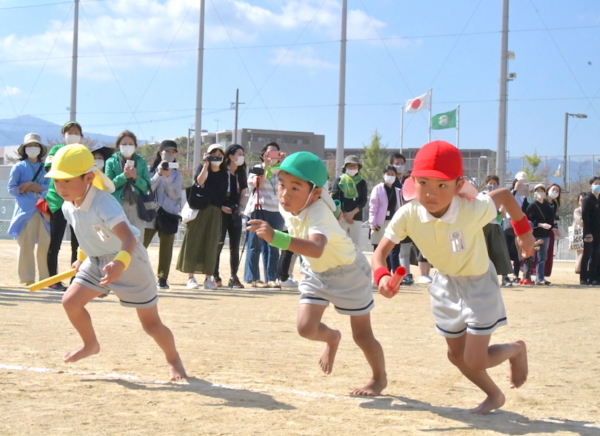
[(465, 295)]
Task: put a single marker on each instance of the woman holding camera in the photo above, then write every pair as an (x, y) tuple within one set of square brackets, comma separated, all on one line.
[(263, 204), (166, 185), (231, 218), (199, 249), (129, 172)]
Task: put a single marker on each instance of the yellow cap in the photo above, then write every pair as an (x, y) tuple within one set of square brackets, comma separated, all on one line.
[(74, 160)]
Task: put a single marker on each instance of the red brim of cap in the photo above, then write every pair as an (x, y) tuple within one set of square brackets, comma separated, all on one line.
[(468, 191), (435, 174)]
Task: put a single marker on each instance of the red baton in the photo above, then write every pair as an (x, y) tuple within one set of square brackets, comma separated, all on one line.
[(396, 279)]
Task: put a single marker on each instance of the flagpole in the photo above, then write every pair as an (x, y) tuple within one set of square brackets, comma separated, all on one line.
[(430, 105), (401, 127), (457, 125), (339, 153)]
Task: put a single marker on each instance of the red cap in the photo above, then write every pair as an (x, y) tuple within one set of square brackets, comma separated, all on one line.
[(438, 159)]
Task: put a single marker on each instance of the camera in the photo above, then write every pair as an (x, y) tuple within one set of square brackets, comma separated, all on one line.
[(259, 171), (211, 158), (274, 154), (164, 165), (173, 165)]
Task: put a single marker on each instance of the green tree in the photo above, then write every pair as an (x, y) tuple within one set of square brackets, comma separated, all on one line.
[(533, 170), (374, 160)]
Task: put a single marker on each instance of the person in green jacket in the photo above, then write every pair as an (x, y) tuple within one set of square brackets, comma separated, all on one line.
[(72, 134), (129, 172)]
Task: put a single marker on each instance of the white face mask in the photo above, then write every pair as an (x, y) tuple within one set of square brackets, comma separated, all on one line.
[(352, 173), (72, 139), (239, 161), (553, 194), (32, 151), (540, 196), (389, 180), (400, 169), (127, 150), (168, 157), (99, 163), (216, 164)]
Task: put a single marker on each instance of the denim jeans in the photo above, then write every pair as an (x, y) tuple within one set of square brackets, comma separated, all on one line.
[(540, 257), (257, 246)]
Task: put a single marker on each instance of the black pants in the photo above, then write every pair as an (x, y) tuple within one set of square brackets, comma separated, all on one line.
[(232, 223), (58, 224), (283, 267), (590, 260)]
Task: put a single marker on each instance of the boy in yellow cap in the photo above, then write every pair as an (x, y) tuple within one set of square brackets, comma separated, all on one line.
[(334, 269), (117, 259)]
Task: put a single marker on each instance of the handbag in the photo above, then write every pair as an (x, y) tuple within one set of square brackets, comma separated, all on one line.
[(188, 214), (197, 197), (167, 223), (575, 237), (146, 206)]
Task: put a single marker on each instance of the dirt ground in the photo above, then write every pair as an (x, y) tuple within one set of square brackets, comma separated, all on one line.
[(251, 374)]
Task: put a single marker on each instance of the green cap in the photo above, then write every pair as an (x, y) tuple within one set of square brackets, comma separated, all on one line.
[(69, 124), (306, 166)]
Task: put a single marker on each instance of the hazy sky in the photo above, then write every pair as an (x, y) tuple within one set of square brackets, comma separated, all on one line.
[(138, 65)]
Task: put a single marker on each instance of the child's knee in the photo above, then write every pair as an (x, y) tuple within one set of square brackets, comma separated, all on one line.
[(152, 327), (362, 336), (476, 362), (307, 330), (456, 358)]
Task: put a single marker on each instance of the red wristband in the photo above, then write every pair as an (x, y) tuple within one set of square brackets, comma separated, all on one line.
[(521, 227), (379, 273)]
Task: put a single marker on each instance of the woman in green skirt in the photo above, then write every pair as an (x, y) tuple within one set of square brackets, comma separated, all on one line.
[(199, 250)]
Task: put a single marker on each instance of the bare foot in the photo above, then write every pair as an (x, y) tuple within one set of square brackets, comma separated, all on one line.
[(328, 356), (372, 388), (489, 404), (176, 370), (82, 352), (518, 366)]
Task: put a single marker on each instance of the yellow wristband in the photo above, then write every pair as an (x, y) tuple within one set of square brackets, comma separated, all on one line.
[(124, 257), (81, 256)]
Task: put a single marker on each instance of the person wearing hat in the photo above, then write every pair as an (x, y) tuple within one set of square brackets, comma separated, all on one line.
[(167, 185), (71, 133), (446, 221), (541, 215), (199, 248), (520, 190), (27, 184), (231, 212), (129, 172), (101, 153), (116, 259), (351, 190), (334, 269)]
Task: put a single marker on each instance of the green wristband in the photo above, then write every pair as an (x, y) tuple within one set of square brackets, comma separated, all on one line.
[(281, 240)]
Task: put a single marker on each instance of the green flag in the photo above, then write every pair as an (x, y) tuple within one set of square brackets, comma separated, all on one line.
[(447, 120)]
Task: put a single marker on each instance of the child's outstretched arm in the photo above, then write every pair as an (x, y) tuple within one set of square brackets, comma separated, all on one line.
[(377, 262), (311, 247), (121, 261), (525, 239)]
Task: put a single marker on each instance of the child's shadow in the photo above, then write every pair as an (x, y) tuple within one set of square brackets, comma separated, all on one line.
[(233, 396), (499, 421)]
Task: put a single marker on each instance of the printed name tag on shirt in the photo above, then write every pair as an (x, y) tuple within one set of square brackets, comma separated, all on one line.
[(101, 232), (457, 242)]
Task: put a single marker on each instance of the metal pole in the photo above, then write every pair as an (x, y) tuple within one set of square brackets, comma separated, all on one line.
[(198, 120), (237, 105), (501, 150), (187, 155), (565, 152), (401, 128), (339, 154), (73, 107)]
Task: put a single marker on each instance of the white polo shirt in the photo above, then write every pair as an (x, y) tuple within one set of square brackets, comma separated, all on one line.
[(94, 220), (454, 243), (318, 218)]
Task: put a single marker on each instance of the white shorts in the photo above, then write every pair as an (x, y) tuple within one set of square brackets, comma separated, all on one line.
[(348, 287), (136, 286), (471, 304)]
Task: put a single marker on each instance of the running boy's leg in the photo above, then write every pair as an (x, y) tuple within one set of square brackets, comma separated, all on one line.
[(362, 334), (74, 301), (153, 325), (310, 327)]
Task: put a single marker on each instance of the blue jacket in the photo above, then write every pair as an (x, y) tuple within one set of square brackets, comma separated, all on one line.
[(20, 173)]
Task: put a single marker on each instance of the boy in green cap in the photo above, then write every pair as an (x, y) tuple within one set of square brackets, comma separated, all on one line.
[(334, 269)]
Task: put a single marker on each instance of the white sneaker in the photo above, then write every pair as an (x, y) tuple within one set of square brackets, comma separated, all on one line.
[(425, 280), (209, 285), (192, 283), (289, 283)]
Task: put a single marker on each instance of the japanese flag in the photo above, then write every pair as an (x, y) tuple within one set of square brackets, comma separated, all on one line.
[(416, 104)]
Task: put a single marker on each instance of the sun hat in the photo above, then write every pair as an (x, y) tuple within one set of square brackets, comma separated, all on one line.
[(69, 124), (214, 147), (73, 161), (167, 144), (309, 167), (539, 185), (521, 176), (438, 159), (353, 159), (32, 138)]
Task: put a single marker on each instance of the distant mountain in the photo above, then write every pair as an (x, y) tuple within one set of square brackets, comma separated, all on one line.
[(13, 130)]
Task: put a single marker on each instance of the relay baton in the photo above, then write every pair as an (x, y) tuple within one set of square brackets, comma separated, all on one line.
[(51, 280), (396, 279)]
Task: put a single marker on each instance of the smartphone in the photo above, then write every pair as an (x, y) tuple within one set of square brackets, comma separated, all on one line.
[(130, 163), (273, 154), (212, 158), (173, 165)]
